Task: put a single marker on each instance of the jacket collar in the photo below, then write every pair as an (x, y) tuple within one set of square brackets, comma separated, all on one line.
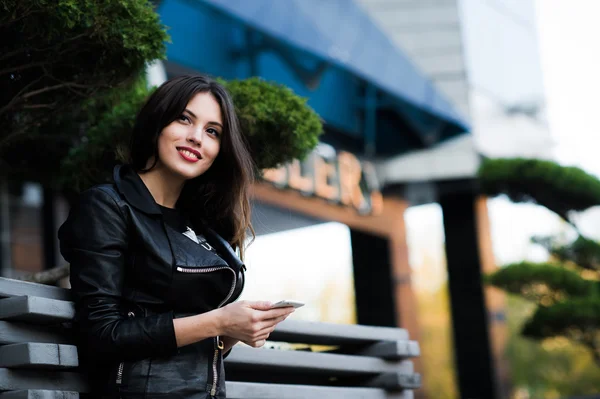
[(223, 248), (131, 186), (135, 192)]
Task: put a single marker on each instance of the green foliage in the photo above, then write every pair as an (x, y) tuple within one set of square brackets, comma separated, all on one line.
[(66, 73), (582, 252), (277, 123), (577, 319), (553, 368), (567, 293), (92, 157), (557, 319), (544, 283), (558, 188), (58, 54)]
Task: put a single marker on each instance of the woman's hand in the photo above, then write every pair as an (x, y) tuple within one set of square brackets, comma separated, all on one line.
[(250, 322)]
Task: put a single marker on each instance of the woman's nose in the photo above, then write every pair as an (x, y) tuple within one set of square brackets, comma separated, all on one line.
[(195, 136)]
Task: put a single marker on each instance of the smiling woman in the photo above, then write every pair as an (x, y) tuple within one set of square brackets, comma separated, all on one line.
[(154, 269)]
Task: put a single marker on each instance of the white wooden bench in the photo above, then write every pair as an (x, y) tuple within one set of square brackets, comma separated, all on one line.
[(38, 360)]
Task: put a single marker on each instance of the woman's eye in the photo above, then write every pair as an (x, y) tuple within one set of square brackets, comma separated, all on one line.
[(213, 131), (184, 118)]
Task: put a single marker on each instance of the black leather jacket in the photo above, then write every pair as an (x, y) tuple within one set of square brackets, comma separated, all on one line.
[(131, 274)]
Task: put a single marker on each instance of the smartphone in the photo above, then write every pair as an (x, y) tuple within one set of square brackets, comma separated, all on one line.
[(287, 303)]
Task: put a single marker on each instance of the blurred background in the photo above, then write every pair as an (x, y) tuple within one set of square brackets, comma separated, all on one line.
[(386, 223)]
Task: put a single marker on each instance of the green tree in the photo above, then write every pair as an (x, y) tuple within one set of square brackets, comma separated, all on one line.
[(57, 59), (566, 291), (277, 124), (71, 84), (549, 369)]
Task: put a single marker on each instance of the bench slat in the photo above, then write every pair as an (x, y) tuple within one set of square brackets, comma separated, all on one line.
[(39, 394), (10, 287), (244, 358), (306, 332), (396, 380), (15, 380), (37, 355), (36, 310), (392, 350), (245, 390), (12, 332)]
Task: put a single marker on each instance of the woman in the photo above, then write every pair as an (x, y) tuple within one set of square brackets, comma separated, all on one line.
[(154, 271)]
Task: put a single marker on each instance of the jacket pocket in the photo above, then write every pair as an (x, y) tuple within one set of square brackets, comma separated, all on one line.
[(134, 376)]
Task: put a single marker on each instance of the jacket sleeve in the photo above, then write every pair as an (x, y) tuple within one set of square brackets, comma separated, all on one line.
[(94, 240)]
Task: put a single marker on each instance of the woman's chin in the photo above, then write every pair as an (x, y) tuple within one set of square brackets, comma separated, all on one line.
[(188, 173)]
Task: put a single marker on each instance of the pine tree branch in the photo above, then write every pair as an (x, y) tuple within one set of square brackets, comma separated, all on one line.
[(21, 67), (544, 283)]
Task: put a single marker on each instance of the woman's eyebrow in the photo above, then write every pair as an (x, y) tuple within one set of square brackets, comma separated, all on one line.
[(193, 115)]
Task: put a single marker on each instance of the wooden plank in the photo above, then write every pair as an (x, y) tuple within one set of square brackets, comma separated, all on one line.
[(36, 310), (38, 356), (392, 350), (396, 380), (39, 394), (307, 332), (14, 380), (10, 287), (12, 332), (246, 390), (314, 362)]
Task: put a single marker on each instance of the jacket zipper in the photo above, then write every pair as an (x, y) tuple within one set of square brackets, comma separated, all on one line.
[(218, 343), (119, 380)]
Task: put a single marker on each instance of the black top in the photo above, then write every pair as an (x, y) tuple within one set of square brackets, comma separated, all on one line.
[(176, 219)]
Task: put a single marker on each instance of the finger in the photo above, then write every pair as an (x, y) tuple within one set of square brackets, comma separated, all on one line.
[(276, 320), (274, 313), (267, 324), (255, 343), (263, 338), (271, 323), (263, 334), (260, 305)]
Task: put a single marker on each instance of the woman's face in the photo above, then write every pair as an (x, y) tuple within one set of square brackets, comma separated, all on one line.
[(188, 146)]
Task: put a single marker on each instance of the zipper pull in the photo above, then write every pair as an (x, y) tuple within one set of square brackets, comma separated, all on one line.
[(220, 344)]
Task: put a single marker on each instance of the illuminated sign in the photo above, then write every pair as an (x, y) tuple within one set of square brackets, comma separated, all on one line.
[(339, 178)]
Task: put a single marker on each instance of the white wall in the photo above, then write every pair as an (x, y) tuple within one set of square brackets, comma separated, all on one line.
[(483, 55), (506, 92)]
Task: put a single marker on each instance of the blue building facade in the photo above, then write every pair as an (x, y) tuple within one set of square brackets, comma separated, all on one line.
[(373, 101)]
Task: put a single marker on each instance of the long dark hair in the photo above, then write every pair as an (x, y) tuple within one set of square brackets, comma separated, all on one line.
[(218, 198)]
